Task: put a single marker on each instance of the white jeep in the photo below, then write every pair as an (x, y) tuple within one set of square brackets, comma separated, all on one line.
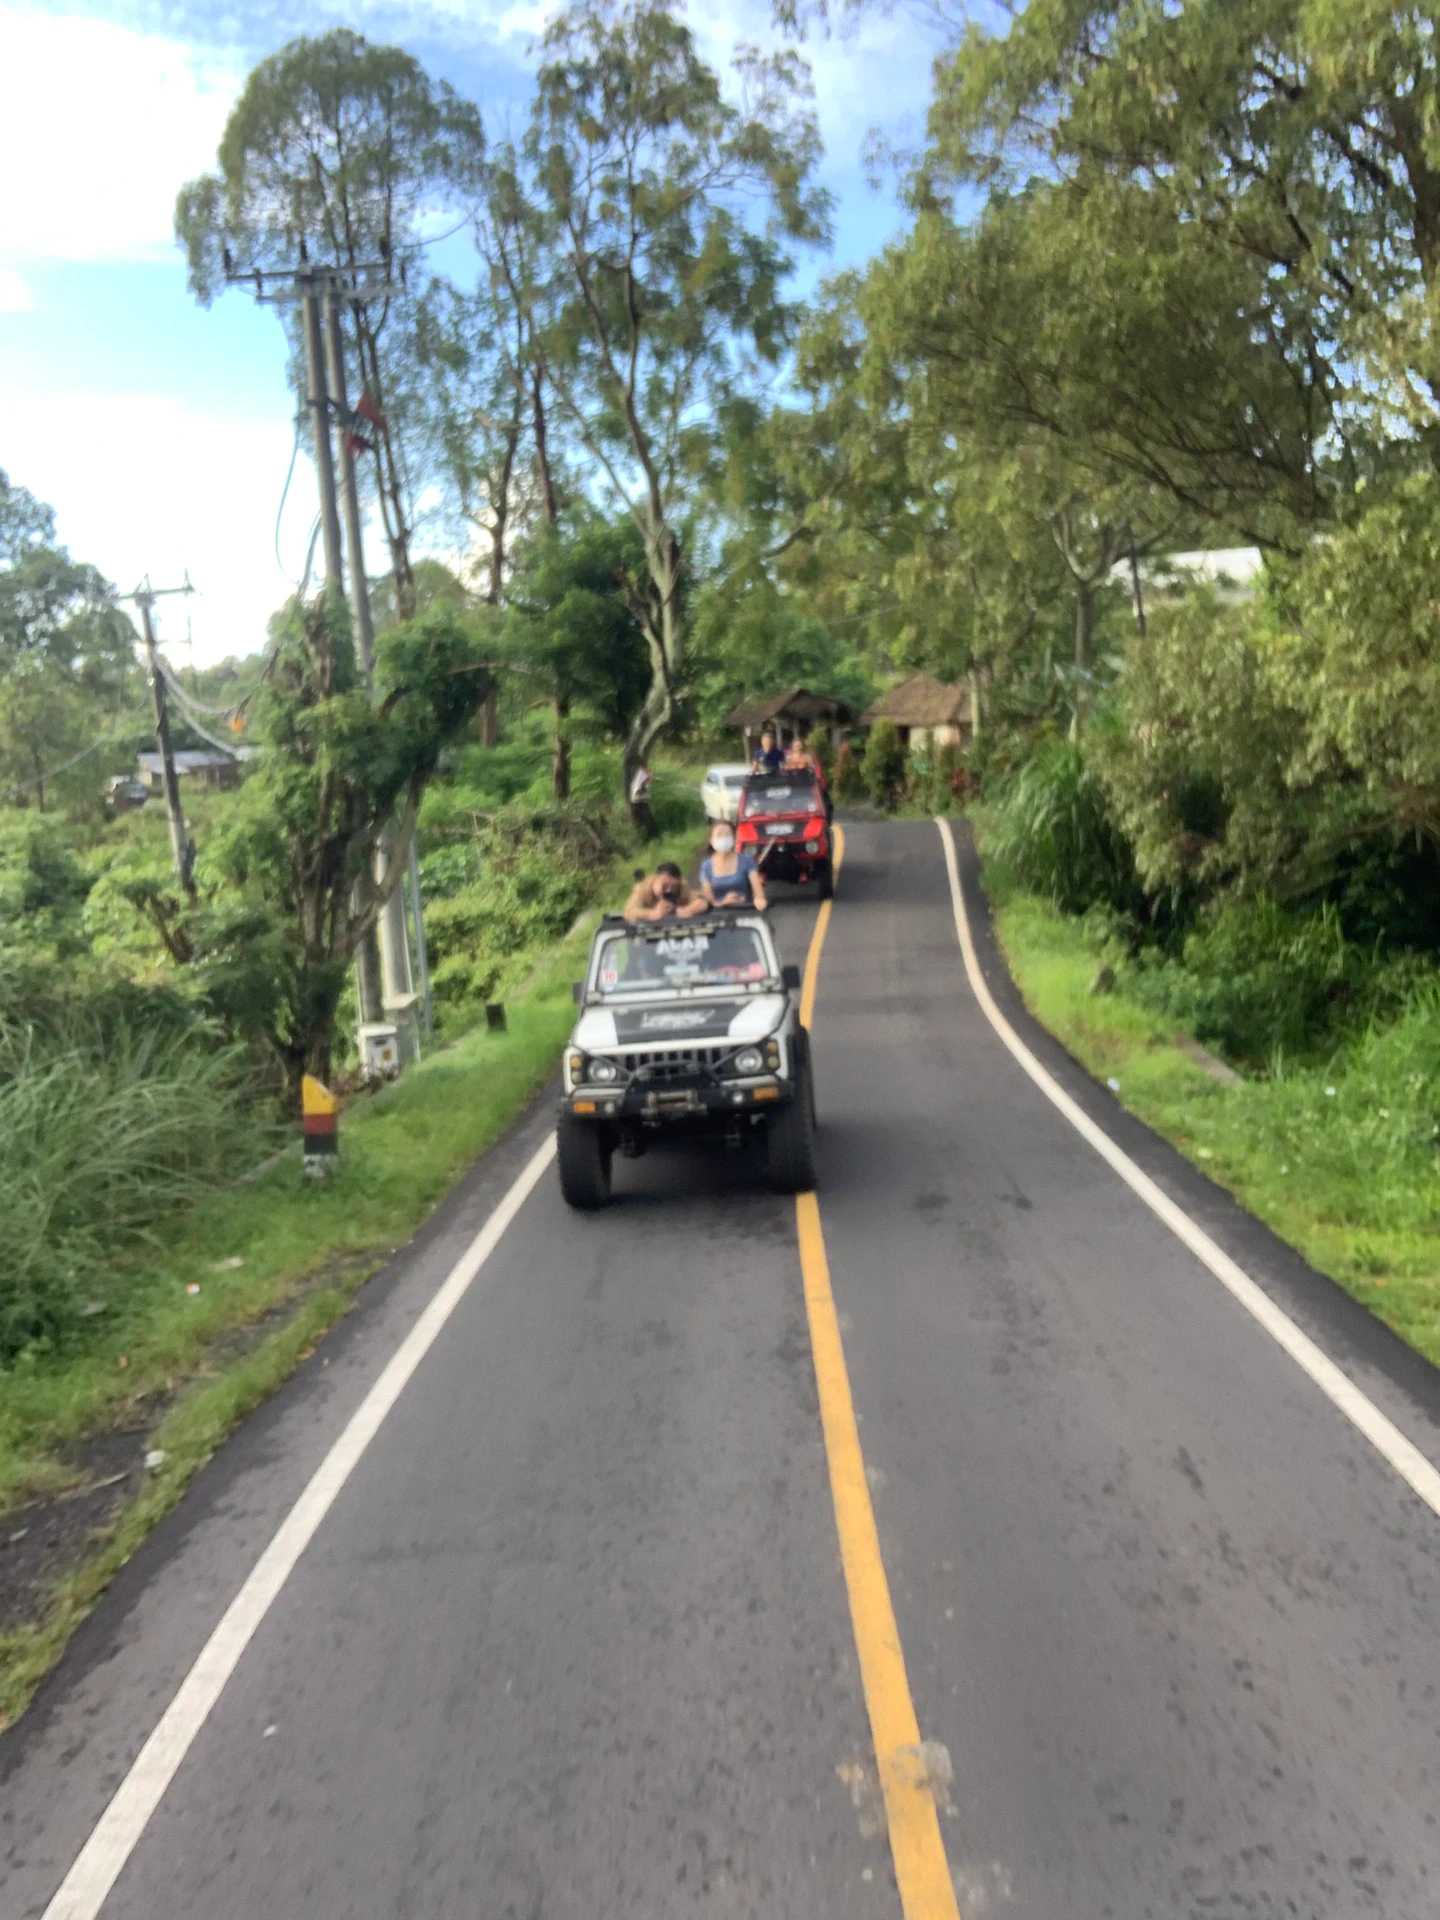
[(685, 1026)]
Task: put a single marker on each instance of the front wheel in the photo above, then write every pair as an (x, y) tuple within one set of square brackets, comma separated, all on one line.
[(790, 1138), (825, 879), (585, 1155)]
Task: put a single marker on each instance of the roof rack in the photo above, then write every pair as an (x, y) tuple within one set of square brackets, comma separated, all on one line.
[(673, 923)]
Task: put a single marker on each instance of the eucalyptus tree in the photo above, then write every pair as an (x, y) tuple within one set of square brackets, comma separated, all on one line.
[(1294, 137), (665, 211), (339, 151)]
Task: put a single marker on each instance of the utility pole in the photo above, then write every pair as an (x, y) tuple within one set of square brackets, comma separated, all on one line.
[(382, 961), (349, 488), (393, 944), (145, 597)]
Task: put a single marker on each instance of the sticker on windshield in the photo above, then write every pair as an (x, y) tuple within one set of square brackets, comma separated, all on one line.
[(609, 977), (683, 946)]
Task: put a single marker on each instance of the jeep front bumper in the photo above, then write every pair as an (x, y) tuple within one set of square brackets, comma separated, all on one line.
[(658, 1102)]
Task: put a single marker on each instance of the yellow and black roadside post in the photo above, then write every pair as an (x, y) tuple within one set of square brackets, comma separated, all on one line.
[(320, 1121)]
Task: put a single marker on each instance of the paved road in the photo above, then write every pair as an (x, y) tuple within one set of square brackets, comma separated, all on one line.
[(574, 1638)]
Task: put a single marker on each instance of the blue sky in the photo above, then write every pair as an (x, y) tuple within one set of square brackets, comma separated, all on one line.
[(159, 430)]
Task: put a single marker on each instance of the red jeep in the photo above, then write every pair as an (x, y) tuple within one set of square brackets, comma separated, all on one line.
[(784, 822)]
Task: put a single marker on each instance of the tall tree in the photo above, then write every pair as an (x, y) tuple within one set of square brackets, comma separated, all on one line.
[(1297, 138), (67, 665), (294, 850), (569, 619), (334, 151), (663, 295)]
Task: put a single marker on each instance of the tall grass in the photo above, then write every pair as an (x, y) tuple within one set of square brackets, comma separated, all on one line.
[(104, 1130), (1053, 830)]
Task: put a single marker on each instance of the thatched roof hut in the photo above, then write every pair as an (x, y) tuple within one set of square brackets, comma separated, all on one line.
[(795, 710), (926, 711)]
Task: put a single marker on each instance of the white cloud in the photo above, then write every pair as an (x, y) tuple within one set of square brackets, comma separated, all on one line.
[(107, 123), (142, 482), (15, 294)]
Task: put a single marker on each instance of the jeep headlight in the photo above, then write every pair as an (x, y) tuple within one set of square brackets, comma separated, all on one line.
[(604, 1073), (749, 1060)]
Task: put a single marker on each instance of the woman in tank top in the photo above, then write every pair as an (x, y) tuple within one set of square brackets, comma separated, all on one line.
[(729, 878)]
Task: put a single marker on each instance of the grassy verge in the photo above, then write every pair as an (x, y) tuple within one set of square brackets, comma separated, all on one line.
[(182, 1367), (1338, 1158)]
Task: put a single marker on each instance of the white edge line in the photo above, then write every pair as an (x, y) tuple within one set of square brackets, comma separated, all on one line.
[(100, 1861), (1413, 1467)]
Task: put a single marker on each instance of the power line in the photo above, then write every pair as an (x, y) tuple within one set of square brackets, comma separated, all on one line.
[(124, 732), (285, 490)]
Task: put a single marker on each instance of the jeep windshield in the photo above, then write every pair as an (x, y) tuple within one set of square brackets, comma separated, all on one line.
[(784, 793), (700, 957)]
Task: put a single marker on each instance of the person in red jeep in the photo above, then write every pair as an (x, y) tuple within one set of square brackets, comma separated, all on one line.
[(784, 825)]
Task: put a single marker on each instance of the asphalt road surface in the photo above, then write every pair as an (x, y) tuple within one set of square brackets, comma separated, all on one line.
[(574, 1639)]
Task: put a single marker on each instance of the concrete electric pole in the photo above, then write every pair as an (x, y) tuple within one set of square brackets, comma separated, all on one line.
[(320, 291), (180, 843)]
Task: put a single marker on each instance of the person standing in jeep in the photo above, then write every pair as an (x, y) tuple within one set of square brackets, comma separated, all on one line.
[(730, 878), (657, 895)]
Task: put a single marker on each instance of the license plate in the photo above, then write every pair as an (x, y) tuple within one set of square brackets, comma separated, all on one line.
[(779, 827)]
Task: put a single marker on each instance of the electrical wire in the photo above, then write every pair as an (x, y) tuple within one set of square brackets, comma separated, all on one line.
[(285, 491), (53, 773)]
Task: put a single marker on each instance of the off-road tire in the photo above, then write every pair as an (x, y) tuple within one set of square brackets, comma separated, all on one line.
[(825, 880), (585, 1152), (790, 1135)]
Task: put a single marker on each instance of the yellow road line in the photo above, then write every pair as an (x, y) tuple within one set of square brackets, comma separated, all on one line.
[(917, 1848), (817, 940)]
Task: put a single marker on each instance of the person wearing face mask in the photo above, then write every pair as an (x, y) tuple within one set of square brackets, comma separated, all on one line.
[(729, 878), (657, 895)]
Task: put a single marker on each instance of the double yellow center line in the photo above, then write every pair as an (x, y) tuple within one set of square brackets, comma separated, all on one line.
[(922, 1873)]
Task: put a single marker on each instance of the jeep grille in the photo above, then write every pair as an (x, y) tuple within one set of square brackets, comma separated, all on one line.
[(677, 1064)]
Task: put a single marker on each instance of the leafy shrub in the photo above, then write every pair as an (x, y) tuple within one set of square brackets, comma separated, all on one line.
[(1054, 831), (849, 773), (884, 770), (946, 779), (532, 885), (1257, 980), (447, 870)]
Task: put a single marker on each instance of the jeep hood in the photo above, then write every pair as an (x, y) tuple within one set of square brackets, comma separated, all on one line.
[(693, 1022)]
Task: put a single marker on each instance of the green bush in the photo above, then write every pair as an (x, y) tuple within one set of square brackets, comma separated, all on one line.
[(944, 778), (104, 1129), (1258, 980), (533, 883), (849, 779), (1054, 830), (884, 770)]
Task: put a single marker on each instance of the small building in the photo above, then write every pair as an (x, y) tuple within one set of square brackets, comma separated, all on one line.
[(926, 712), (791, 713), (207, 767), (1233, 574)]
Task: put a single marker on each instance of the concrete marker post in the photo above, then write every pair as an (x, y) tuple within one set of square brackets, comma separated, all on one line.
[(320, 1125)]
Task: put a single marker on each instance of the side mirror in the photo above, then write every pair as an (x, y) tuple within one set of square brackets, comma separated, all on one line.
[(790, 974), (577, 992)]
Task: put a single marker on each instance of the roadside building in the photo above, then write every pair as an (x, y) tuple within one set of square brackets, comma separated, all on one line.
[(926, 713), (791, 713), (204, 768)]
